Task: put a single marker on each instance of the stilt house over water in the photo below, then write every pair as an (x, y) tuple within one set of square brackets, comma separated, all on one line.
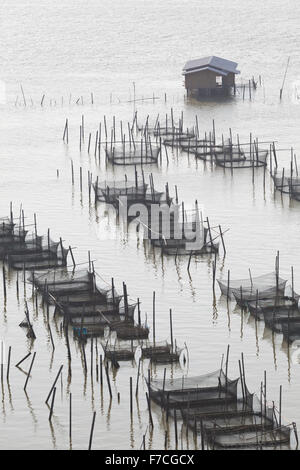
[(210, 76)]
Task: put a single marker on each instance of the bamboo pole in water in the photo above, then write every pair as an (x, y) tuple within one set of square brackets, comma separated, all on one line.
[(70, 417), (22, 360), (29, 372), (52, 404), (153, 310), (171, 329), (54, 383), (8, 364), (92, 431)]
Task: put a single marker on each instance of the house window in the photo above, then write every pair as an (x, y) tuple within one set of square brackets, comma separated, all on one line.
[(219, 80)]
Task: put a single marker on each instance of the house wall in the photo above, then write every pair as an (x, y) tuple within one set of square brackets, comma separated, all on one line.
[(206, 79), (229, 80)]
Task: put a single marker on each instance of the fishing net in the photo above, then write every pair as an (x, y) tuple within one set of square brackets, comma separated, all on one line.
[(10, 235), (278, 319), (167, 131), (133, 154), (265, 286), (211, 385), (201, 148), (6, 226), (161, 352), (80, 279), (254, 436), (39, 253), (235, 158), (294, 185), (242, 423), (148, 347), (291, 329), (287, 184), (111, 191), (177, 138), (119, 352), (281, 183), (77, 290), (261, 307)]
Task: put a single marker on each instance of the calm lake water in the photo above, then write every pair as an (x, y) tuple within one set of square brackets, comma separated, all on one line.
[(68, 50)]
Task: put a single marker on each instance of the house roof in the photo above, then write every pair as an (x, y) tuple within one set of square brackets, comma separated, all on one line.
[(213, 63)]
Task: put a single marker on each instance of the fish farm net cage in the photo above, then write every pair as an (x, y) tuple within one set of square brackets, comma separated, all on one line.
[(124, 327), (208, 389), (38, 253), (119, 351), (169, 131), (7, 226), (235, 157), (238, 428), (64, 282), (222, 411), (176, 139), (189, 237), (267, 286), (287, 184), (226, 154), (161, 352), (136, 191), (89, 306), (127, 153), (263, 309), (80, 288), (269, 299), (11, 235), (201, 148), (110, 192)]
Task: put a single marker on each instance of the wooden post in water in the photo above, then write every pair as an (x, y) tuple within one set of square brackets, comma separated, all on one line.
[(101, 370), (242, 383), (8, 364), (54, 384), (52, 404), (29, 372), (130, 390), (92, 431), (17, 285), (214, 277), (82, 127), (96, 143), (284, 77), (189, 262), (70, 417), (72, 172), (92, 356), (138, 377), (228, 288), (51, 337), (171, 330), (22, 360), (175, 428), (226, 366), (243, 370), (153, 304), (4, 282), (222, 239), (149, 409), (265, 392), (139, 311), (108, 381), (280, 404)]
